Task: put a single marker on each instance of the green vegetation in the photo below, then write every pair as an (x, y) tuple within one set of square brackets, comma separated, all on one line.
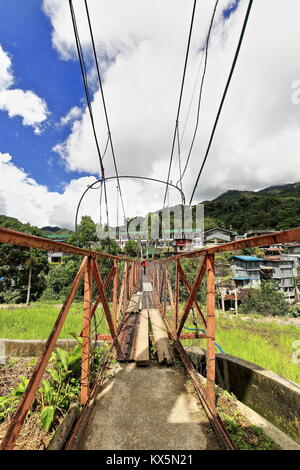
[(267, 344), (22, 270), (131, 248), (36, 322), (59, 388), (274, 208), (244, 435), (266, 300)]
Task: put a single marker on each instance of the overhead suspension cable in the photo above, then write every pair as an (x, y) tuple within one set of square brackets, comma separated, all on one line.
[(180, 98), (88, 99), (224, 94), (104, 106), (200, 93)]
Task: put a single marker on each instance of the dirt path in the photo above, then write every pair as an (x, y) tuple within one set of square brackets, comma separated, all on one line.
[(278, 320), (147, 408)]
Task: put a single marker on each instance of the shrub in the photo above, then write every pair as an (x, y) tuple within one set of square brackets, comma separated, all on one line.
[(267, 300)]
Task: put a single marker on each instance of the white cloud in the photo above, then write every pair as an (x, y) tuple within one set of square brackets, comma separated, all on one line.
[(6, 76), (73, 114), (141, 46), (5, 157), (22, 197), (17, 102)]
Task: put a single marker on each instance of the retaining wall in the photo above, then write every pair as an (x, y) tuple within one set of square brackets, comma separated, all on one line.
[(274, 398)]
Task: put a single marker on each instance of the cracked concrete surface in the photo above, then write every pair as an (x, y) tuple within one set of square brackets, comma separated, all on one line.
[(147, 408)]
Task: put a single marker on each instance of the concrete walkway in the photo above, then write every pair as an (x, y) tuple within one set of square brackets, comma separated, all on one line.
[(147, 408)]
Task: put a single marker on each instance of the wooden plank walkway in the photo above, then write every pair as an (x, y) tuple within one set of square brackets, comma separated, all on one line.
[(142, 355), (161, 337)]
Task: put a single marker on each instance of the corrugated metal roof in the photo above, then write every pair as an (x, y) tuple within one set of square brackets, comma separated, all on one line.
[(241, 278), (247, 258)]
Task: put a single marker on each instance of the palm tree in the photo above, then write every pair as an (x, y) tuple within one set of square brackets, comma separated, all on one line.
[(29, 263)]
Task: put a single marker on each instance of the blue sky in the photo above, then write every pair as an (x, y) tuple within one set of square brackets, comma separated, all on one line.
[(141, 45), (26, 36)]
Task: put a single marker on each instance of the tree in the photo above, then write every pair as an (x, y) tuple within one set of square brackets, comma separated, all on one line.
[(255, 251), (22, 270), (131, 248), (86, 233), (267, 300)]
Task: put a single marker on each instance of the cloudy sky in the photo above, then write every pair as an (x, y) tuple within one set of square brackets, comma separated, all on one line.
[(47, 152)]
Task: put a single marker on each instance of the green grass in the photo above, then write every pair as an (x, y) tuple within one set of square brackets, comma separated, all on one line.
[(36, 321), (268, 345)]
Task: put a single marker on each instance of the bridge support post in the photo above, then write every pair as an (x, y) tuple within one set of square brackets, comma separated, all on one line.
[(86, 330), (115, 294), (176, 295), (211, 329)]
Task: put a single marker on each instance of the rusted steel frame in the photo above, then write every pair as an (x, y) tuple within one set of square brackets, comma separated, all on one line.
[(29, 394), (185, 281), (212, 415), (115, 294), (162, 282), (170, 290), (211, 330), (103, 337), (158, 279), (98, 300), (192, 295), (275, 238), (192, 336), (81, 422), (164, 290), (97, 277), (86, 331), (121, 296), (13, 237), (176, 310), (127, 287)]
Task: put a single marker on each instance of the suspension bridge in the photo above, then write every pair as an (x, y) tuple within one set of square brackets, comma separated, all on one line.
[(139, 302)]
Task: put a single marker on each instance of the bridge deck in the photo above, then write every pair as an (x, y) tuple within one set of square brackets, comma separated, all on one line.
[(146, 408)]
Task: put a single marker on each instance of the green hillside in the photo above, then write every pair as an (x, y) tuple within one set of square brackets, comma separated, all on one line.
[(273, 208)]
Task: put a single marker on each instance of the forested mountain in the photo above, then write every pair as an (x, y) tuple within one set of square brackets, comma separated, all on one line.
[(274, 208)]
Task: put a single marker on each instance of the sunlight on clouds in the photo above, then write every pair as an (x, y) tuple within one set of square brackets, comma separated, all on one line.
[(147, 40), (26, 104)]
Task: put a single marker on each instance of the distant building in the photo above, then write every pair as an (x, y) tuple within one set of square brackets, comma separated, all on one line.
[(246, 271), (217, 236), (175, 240), (257, 233), (282, 270), (55, 257)]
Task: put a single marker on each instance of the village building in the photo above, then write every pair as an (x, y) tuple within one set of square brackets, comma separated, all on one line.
[(217, 236), (246, 271)]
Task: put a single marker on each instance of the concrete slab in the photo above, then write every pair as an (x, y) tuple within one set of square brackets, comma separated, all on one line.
[(147, 409)]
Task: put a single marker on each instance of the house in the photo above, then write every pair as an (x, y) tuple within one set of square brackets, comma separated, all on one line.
[(257, 233), (217, 236), (273, 251), (55, 257), (282, 270), (246, 271), (183, 240)]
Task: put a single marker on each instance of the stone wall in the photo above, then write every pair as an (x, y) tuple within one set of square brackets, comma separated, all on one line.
[(274, 398)]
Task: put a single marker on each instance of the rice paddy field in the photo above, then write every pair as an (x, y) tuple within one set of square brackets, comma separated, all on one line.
[(268, 344), (37, 320)]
